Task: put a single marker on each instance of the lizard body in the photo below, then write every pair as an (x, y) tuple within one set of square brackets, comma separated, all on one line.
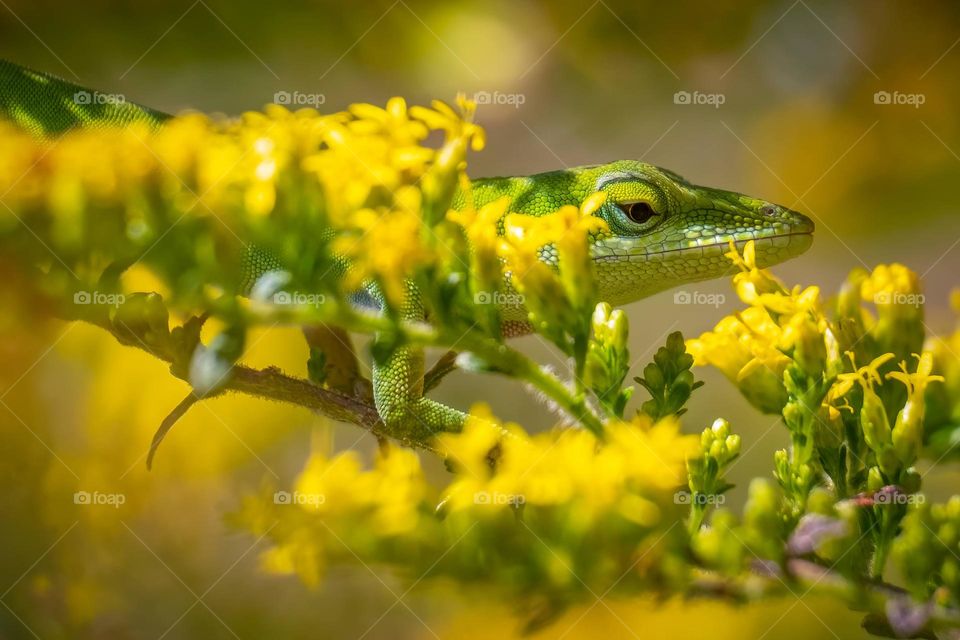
[(663, 231)]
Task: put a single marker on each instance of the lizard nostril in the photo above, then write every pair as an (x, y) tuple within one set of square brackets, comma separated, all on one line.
[(769, 209)]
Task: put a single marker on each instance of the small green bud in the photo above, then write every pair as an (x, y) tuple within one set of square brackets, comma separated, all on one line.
[(834, 355), (948, 534), (619, 329), (716, 449), (706, 439), (953, 508), (810, 352), (907, 434), (601, 314), (875, 480), (141, 317), (888, 461), (733, 445), (654, 376), (911, 481), (873, 419), (821, 501), (720, 428)]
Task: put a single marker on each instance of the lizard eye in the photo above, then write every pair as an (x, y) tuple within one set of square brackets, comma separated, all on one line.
[(639, 212)]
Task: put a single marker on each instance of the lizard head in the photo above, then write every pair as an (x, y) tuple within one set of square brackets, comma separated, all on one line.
[(665, 232)]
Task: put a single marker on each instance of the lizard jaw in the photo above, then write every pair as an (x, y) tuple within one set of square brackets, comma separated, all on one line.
[(627, 272), (783, 245)]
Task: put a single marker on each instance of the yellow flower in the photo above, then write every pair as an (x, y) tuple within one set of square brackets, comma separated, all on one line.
[(457, 125), (867, 375), (469, 451), (753, 348), (892, 284), (480, 227), (908, 428), (745, 347), (636, 464), (752, 282), (873, 416), (390, 494), (561, 289), (385, 246), (399, 491)]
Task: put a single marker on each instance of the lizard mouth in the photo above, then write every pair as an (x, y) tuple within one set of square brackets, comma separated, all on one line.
[(770, 249)]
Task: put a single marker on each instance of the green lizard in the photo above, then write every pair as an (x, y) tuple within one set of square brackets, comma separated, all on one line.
[(664, 231)]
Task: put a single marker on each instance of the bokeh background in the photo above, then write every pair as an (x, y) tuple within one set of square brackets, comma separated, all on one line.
[(571, 83)]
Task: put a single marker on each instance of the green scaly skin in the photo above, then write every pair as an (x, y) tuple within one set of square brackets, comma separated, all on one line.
[(47, 106), (664, 231)]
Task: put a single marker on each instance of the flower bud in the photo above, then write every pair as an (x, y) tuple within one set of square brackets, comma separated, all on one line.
[(875, 480), (733, 445), (720, 428), (810, 351), (873, 419)]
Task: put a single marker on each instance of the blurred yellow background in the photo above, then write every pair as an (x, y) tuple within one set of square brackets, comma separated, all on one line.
[(844, 111)]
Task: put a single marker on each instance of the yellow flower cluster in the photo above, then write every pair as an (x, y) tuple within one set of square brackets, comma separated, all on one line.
[(366, 172), (617, 489), (786, 355), (890, 285), (562, 290), (751, 347), (634, 465), (389, 492)]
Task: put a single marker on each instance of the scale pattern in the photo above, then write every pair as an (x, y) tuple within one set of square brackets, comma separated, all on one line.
[(46, 106)]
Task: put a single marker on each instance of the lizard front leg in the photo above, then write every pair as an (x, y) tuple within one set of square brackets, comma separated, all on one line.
[(398, 387), (398, 395)]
